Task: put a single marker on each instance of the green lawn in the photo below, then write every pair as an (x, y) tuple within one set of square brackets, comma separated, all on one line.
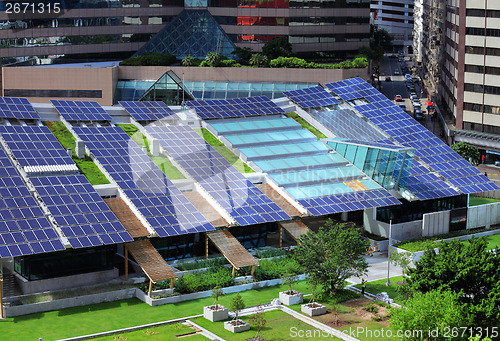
[(160, 333), (376, 287), (493, 241), (161, 161), (306, 125), (224, 151), (85, 165), (476, 201), (278, 328), (108, 316)]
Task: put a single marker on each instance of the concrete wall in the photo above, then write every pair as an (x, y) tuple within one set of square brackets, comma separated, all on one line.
[(59, 283), (61, 78), (483, 215), (403, 231), (227, 74), (435, 223)]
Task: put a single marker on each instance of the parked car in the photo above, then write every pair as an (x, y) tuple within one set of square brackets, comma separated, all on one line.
[(413, 96), (388, 79), (396, 72), (398, 98), (402, 105)]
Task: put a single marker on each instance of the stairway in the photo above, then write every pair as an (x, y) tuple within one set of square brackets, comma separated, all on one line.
[(10, 285)]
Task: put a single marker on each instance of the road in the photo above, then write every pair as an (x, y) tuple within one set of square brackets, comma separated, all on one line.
[(397, 86)]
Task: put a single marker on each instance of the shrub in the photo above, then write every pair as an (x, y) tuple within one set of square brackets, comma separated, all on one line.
[(268, 253), (204, 280), (150, 59)]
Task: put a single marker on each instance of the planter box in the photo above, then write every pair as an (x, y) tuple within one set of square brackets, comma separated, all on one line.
[(287, 299), (220, 314), (236, 329), (319, 309)]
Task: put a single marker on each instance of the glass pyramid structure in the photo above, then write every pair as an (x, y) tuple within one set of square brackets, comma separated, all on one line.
[(168, 88), (192, 33)]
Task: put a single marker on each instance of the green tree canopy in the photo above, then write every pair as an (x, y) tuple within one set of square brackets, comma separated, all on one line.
[(465, 268), (467, 151), (150, 59), (258, 59), (433, 314), (243, 54), (278, 47), (332, 255)]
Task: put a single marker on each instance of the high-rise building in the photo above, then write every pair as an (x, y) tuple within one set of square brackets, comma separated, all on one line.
[(92, 27), (395, 16), (471, 65)]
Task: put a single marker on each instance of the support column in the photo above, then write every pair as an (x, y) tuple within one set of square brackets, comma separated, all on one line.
[(206, 246), (281, 237), (150, 287), (126, 263), (171, 283), (1, 296), (234, 270), (253, 269)]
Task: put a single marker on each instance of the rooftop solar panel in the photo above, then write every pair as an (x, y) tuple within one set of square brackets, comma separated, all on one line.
[(83, 216), (81, 110), (409, 133), (237, 107), (21, 108), (167, 210), (311, 97), (24, 229), (35, 146), (148, 110), (244, 202)]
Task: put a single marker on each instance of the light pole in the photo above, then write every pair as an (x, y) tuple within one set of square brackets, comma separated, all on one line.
[(388, 282)]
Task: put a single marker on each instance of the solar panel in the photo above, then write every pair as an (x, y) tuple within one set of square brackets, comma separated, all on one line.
[(346, 124), (36, 146), (78, 209), (81, 110), (24, 229), (148, 110), (21, 108), (244, 202), (311, 97), (167, 210), (236, 107), (409, 133), (347, 202)]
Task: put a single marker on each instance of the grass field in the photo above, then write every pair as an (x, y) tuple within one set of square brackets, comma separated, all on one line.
[(108, 316), (162, 162), (306, 125), (160, 333), (85, 165), (493, 241), (379, 286), (476, 201), (278, 328), (224, 151)]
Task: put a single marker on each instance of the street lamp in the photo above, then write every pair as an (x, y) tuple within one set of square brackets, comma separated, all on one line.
[(388, 282)]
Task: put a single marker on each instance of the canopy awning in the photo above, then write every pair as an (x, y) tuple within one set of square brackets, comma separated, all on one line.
[(295, 228), (128, 219), (231, 249), (150, 261)]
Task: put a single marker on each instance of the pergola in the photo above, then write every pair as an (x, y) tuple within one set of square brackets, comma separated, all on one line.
[(294, 228)]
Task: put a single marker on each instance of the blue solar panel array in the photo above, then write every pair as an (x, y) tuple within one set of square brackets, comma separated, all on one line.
[(409, 133), (237, 107), (81, 110), (346, 202), (427, 185), (167, 210), (148, 110), (24, 229), (13, 107), (34, 146), (312, 97), (83, 216), (244, 202)]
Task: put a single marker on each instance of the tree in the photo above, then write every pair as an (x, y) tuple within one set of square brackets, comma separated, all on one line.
[(243, 54), (468, 152), (236, 305), (187, 61), (380, 37), (289, 276), (403, 260), (213, 59), (259, 59), (258, 320), (278, 47), (465, 268), (216, 293), (332, 255), (427, 312)]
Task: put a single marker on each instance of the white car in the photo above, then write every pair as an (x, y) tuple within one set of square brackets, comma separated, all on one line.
[(396, 73)]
